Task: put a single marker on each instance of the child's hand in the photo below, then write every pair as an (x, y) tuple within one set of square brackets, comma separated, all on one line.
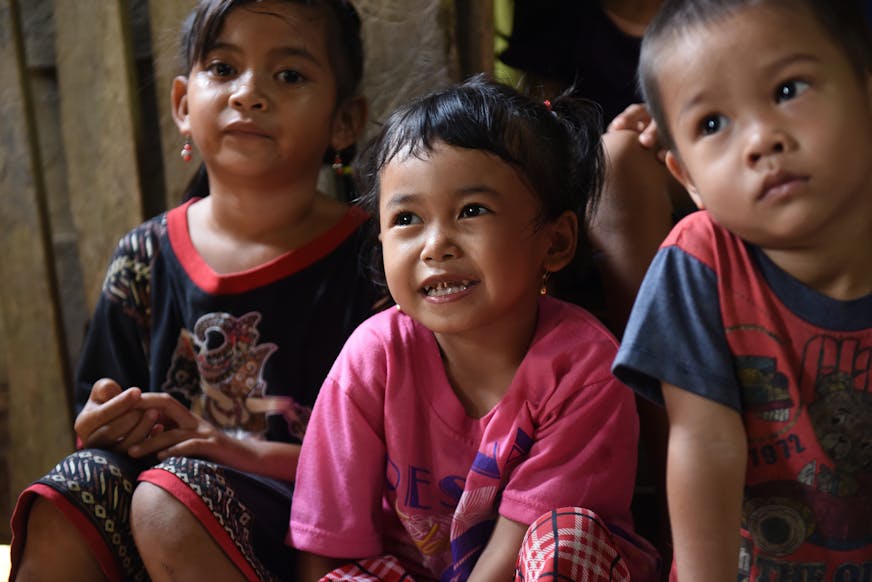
[(112, 418), (637, 118), (185, 434)]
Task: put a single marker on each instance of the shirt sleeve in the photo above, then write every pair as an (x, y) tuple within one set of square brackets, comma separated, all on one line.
[(675, 333), (585, 446), (336, 508), (117, 343)]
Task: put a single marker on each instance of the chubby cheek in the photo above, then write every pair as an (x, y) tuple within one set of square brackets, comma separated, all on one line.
[(399, 267)]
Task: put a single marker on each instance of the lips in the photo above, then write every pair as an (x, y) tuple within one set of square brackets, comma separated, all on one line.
[(246, 128), (444, 288), (780, 183)]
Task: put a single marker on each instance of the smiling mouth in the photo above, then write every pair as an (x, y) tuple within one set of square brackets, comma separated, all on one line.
[(445, 288)]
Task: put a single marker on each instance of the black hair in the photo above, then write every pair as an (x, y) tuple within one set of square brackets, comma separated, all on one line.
[(843, 20), (201, 28), (555, 147)]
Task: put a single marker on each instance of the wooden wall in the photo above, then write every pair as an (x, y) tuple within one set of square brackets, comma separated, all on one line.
[(88, 150)]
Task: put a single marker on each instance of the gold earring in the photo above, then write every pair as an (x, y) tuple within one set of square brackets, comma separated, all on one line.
[(544, 289)]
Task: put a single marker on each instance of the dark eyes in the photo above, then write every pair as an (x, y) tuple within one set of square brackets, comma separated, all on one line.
[(290, 76), (473, 210), (410, 218), (404, 219), (790, 90), (220, 69), (712, 124)]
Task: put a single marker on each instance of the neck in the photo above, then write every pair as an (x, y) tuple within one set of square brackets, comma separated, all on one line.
[(839, 268), (235, 230), (480, 367)]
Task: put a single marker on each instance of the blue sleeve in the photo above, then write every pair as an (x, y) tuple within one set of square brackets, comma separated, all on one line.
[(676, 335)]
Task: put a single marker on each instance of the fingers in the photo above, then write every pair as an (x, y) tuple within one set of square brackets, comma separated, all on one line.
[(634, 118), (649, 137), (105, 416), (114, 432), (141, 431), (172, 412), (104, 390)]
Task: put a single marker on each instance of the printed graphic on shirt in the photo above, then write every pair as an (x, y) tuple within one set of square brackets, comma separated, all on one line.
[(809, 426), (450, 518), (128, 277), (218, 368)]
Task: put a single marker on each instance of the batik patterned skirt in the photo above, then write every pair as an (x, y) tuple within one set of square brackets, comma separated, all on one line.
[(246, 515)]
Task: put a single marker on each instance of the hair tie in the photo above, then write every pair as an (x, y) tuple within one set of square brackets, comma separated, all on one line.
[(548, 106)]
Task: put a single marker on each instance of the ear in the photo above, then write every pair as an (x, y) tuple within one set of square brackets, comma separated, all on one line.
[(348, 122), (564, 240), (179, 98), (677, 169)]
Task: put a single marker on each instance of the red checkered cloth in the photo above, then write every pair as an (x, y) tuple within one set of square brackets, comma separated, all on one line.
[(566, 544), (381, 569), (570, 543)]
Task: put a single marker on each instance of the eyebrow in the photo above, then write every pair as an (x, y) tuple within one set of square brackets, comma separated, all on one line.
[(290, 51), (471, 190), (769, 70)]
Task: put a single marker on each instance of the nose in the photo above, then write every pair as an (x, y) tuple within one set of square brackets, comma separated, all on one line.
[(247, 93), (765, 140), (439, 245)]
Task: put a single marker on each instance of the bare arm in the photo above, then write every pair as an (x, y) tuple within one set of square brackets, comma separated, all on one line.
[(497, 561), (707, 458)]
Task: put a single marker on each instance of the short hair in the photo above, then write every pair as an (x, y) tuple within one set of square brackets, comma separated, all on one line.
[(843, 20)]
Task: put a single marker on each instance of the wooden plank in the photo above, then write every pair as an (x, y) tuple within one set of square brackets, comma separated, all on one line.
[(475, 36), (166, 18), (39, 424), (100, 128)]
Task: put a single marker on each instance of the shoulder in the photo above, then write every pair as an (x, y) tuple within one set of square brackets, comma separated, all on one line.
[(566, 327), (144, 240), (702, 237), (381, 340), (571, 347)]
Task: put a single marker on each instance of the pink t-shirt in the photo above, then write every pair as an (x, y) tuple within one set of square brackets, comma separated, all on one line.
[(391, 462)]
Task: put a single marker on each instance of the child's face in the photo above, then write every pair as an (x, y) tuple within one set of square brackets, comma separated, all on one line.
[(772, 126), (262, 101), (461, 247)]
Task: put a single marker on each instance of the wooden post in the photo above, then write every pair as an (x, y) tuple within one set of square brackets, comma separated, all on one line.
[(475, 36), (100, 127), (38, 417), (166, 18)]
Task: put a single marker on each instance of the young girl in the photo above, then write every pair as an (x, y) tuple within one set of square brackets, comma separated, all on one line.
[(450, 424), (219, 320)]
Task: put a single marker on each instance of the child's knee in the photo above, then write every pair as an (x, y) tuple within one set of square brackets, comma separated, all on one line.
[(156, 517), (570, 543)]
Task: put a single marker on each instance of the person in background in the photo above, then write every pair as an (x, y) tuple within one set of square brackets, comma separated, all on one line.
[(475, 431), (765, 295), (218, 320)]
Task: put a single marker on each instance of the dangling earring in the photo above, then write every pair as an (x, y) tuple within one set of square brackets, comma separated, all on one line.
[(187, 149), (338, 166), (544, 289)]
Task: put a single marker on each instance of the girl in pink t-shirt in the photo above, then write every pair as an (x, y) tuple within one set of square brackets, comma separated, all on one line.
[(475, 432)]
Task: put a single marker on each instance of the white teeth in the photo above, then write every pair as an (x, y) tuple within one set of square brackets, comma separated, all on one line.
[(441, 289)]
